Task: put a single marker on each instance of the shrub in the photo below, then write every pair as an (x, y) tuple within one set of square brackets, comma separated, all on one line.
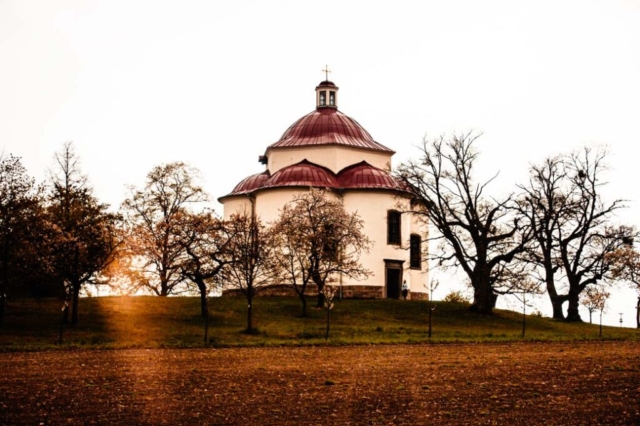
[(456, 297)]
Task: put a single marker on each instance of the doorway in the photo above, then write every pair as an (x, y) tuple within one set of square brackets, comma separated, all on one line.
[(393, 277)]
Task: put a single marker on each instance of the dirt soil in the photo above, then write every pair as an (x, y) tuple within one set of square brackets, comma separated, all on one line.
[(463, 384)]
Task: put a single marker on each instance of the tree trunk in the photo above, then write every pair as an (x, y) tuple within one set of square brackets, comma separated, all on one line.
[(484, 300), (76, 296), (206, 322), (317, 280), (68, 297), (326, 335), (2, 302), (250, 317), (573, 314), (556, 300), (638, 313), (204, 306), (300, 291), (556, 304), (3, 287), (600, 331), (304, 305), (164, 284), (164, 288)]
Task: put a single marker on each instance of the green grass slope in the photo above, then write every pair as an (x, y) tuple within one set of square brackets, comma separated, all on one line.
[(152, 322)]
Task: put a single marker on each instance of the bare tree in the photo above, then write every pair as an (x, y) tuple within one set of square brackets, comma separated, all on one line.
[(478, 233), (316, 240), (252, 267), (433, 285), (571, 226), (546, 204), (152, 215)]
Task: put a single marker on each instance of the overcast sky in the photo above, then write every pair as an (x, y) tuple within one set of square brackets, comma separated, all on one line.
[(138, 83)]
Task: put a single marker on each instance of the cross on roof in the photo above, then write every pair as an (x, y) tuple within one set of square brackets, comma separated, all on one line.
[(326, 72)]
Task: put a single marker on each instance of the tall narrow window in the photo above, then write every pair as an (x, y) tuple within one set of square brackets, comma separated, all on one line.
[(332, 98), (415, 244), (323, 98), (393, 227)]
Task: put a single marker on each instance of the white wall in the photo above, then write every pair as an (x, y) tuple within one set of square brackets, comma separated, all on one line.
[(420, 278), (372, 207), (236, 204), (333, 157)]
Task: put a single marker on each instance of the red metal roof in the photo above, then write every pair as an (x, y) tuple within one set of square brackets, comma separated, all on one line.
[(302, 174), (358, 176), (328, 126), (251, 183), (364, 175)]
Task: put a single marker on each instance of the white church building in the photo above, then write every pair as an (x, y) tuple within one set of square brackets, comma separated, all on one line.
[(328, 149)]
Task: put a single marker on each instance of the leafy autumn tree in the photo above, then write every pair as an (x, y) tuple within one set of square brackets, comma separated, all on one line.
[(19, 201), (152, 215), (594, 299), (523, 288), (316, 240), (626, 266), (120, 276), (480, 234), (571, 225), (206, 240), (83, 231), (455, 297), (252, 267)]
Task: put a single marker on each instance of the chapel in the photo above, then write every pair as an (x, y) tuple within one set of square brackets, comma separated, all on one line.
[(328, 149)]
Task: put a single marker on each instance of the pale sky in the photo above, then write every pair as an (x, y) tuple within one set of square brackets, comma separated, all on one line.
[(138, 83)]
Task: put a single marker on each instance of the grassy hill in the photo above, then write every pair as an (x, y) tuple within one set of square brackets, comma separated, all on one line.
[(151, 322)]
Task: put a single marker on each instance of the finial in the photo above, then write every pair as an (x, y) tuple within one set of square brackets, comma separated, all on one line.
[(326, 72)]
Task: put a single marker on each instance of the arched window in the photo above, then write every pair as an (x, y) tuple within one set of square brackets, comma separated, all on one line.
[(415, 257), (323, 98), (393, 227)]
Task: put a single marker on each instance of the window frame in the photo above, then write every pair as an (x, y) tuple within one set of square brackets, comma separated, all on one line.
[(415, 251), (394, 230)]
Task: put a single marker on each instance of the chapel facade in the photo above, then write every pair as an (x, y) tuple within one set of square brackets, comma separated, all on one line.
[(328, 149)]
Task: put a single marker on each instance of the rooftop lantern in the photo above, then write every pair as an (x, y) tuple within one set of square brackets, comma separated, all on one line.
[(326, 93)]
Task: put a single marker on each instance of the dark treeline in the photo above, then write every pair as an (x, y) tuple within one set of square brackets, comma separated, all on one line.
[(55, 237)]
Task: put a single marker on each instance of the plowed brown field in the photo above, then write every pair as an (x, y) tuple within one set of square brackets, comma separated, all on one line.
[(508, 384)]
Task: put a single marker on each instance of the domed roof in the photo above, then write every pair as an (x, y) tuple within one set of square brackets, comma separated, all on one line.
[(326, 83), (303, 173), (251, 183), (364, 175), (328, 126)]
